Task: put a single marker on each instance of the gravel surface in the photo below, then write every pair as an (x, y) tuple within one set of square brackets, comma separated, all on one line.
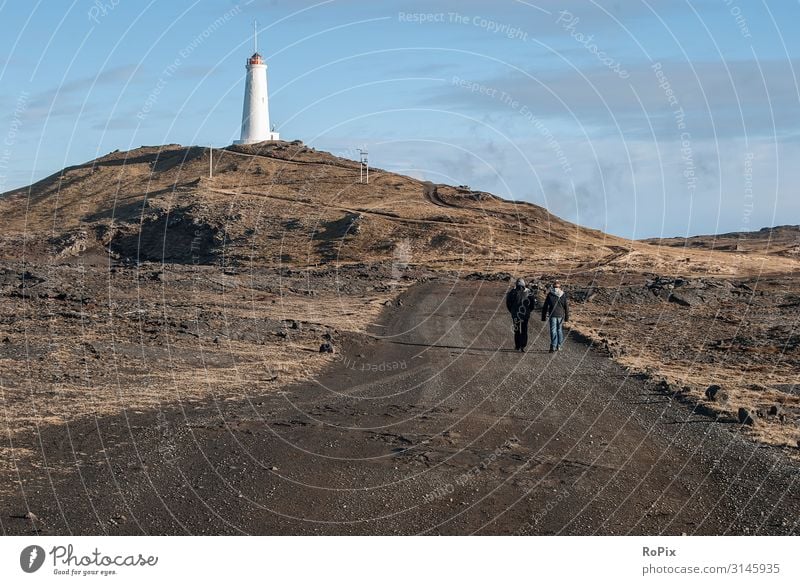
[(430, 424)]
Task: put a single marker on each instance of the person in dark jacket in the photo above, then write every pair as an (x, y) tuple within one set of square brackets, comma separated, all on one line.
[(556, 308), (520, 303)]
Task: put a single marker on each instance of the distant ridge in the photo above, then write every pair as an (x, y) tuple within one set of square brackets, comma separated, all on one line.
[(783, 240)]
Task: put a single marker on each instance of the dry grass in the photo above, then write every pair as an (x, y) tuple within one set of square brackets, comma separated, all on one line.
[(269, 209), (173, 342), (670, 347)]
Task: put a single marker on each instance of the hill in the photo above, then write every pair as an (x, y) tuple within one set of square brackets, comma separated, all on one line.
[(135, 280), (288, 204), (780, 241)]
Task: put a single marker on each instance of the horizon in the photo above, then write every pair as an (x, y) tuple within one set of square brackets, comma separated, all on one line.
[(679, 130)]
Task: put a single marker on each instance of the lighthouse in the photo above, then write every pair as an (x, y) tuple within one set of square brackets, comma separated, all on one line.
[(255, 114)]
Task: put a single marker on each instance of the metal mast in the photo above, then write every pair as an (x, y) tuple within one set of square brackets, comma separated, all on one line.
[(364, 166)]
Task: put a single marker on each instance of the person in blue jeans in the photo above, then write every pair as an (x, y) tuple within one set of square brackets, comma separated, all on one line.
[(556, 309)]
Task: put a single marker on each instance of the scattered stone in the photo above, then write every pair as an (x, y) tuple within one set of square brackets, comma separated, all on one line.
[(32, 517), (672, 389), (716, 393), (582, 295), (680, 300), (755, 387), (295, 324), (354, 226), (745, 417), (70, 244), (91, 349), (497, 276), (29, 279), (775, 410), (282, 334), (326, 347)]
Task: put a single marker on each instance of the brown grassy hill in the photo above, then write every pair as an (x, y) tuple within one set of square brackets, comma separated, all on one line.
[(191, 286), (274, 203), (284, 203), (781, 240)]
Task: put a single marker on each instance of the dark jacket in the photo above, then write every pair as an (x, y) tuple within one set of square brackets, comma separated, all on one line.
[(520, 303), (555, 306)]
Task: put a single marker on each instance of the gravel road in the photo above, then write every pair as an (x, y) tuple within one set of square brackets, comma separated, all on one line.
[(432, 425)]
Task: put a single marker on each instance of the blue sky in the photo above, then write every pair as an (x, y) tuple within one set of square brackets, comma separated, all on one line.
[(638, 117)]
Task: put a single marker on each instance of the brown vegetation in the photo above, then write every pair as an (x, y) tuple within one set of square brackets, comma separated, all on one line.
[(135, 280)]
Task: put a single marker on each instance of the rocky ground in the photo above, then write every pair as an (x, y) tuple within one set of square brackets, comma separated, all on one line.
[(135, 284), (722, 344), (80, 342), (781, 240), (428, 423)]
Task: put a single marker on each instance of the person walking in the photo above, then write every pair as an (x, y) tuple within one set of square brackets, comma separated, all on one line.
[(520, 303), (556, 308)]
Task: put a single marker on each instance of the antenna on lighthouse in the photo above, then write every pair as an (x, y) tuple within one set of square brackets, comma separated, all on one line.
[(255, 36)]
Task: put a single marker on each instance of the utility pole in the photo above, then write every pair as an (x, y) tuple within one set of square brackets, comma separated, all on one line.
[(363, 166), (210, 162)]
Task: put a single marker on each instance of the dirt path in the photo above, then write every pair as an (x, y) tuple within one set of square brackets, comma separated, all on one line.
[(436, 428)]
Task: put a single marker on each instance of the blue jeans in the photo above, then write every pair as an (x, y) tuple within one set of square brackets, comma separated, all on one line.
[(556, 332)]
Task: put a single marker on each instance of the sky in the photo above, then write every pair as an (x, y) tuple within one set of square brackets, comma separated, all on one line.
[(641, 118)]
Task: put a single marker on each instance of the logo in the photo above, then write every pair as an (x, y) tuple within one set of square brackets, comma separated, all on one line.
[(31, 558)]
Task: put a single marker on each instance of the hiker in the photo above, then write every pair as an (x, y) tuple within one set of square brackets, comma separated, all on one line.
[(520, 303), (557, 309)]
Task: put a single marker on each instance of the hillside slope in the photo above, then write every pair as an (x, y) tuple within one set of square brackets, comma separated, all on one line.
[(135, 279), (781, 240), (287, 204)]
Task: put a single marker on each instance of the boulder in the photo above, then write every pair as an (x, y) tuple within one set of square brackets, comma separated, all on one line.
[(716, 393), (326, 347), (680, 300), (745, 417)]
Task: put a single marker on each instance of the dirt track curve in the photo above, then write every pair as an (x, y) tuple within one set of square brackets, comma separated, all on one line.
[(434, 426)]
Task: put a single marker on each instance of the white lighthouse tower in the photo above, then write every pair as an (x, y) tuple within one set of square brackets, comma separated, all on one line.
[(255, 115)]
